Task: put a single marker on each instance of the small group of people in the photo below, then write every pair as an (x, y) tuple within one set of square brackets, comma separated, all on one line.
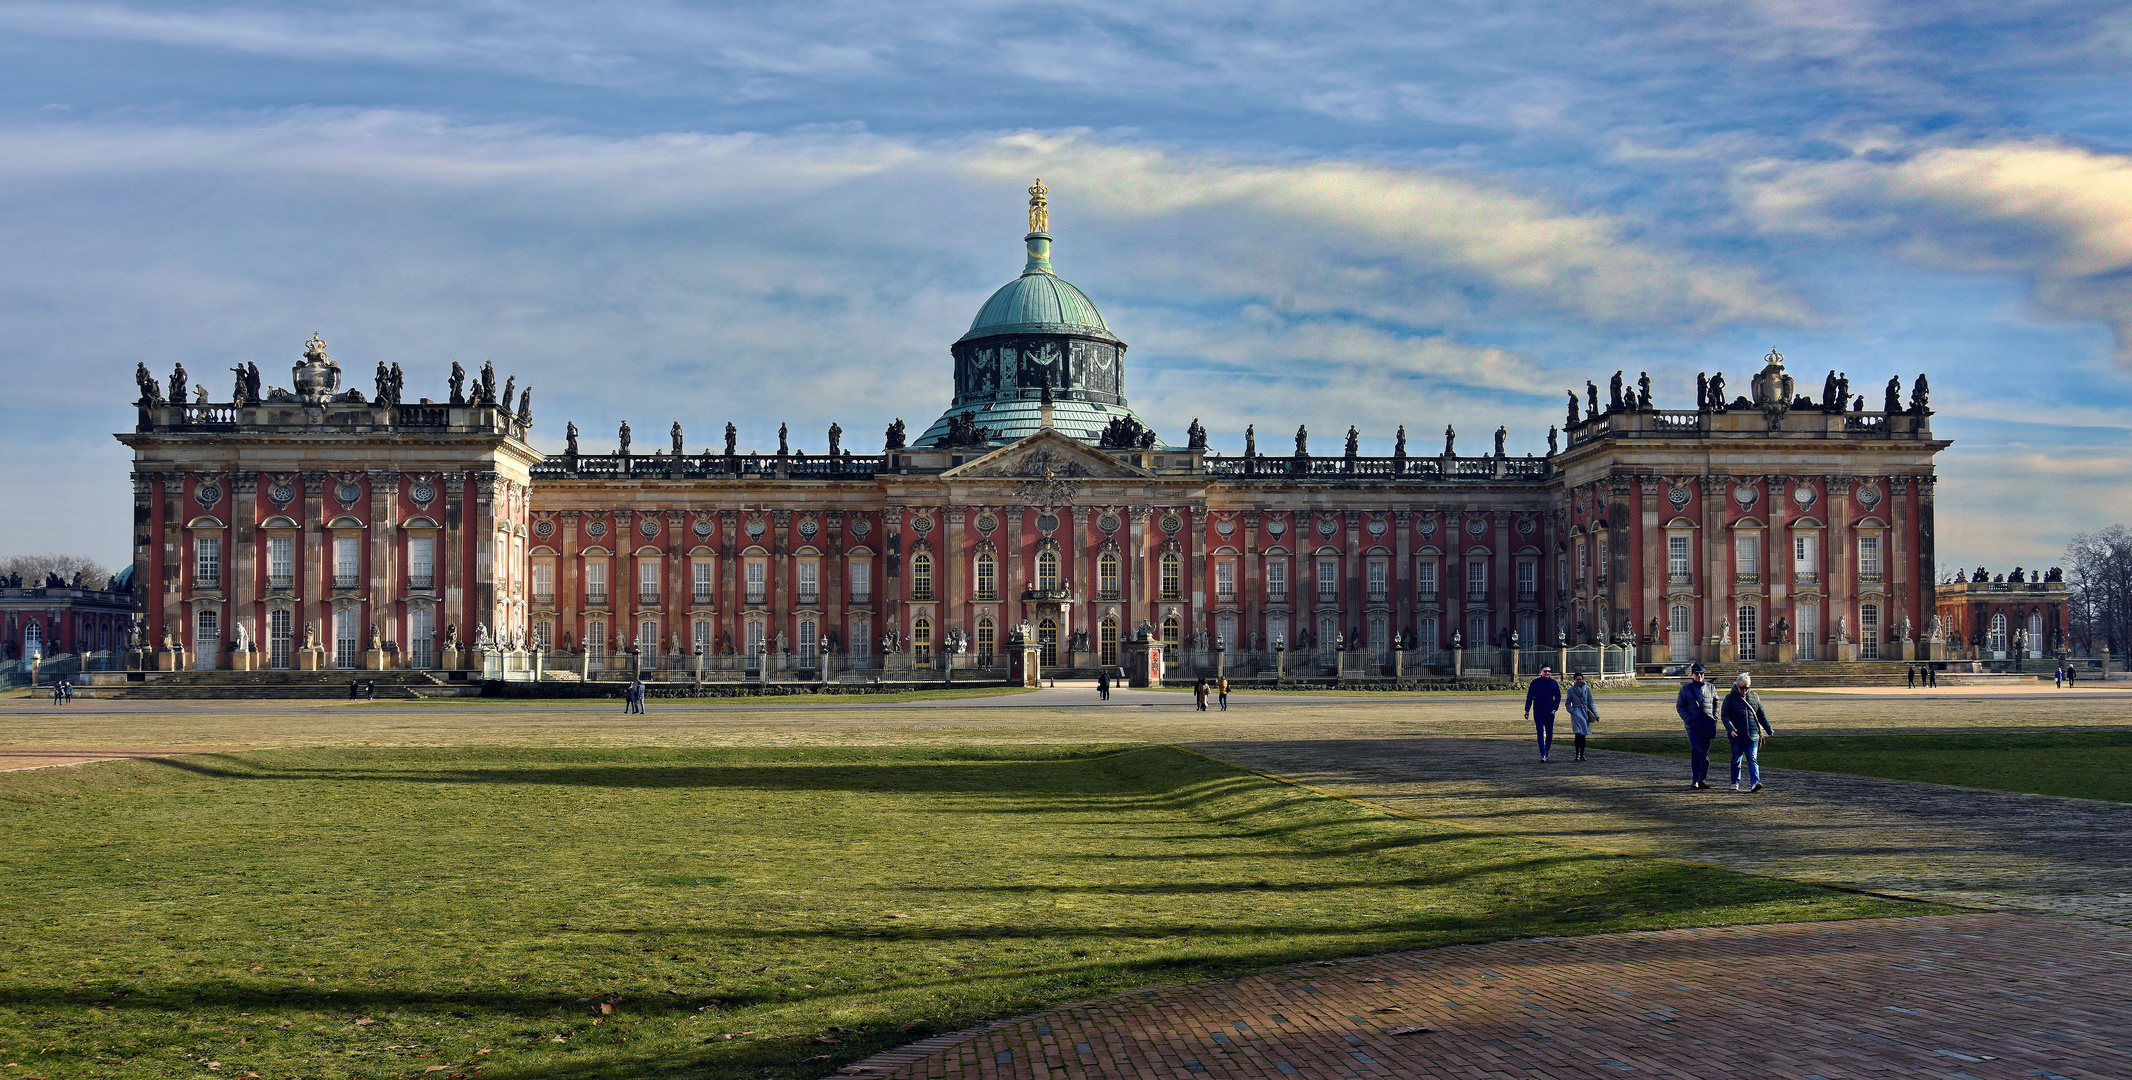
[(633, 696), (2066, 675), (1917, 675), (364, 689), (1741, 714), (62, 693), (1219, 687), (1544, 695)]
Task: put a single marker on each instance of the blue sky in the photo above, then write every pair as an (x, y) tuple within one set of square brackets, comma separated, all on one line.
[(1321, 213)]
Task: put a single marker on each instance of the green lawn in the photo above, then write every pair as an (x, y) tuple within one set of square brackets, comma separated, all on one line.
[(750, 701), (2076, 764), (586, 913)]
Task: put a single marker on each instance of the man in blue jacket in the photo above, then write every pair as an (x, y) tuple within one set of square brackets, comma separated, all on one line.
[(1542, 698), (1697, 706)]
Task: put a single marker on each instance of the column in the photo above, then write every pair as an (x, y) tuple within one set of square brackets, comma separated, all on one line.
[(1927, 566), (955, 577), (384, 553), (317, 572), (1252, 595), (1355, 602), (1402, 577), (1901, 597), (733, 576), (148, 559), (782, 586), (833, 618), (245, 570), (1148, 563), (568, 600), (1715, 558), (1013, 581), (1836, 565)]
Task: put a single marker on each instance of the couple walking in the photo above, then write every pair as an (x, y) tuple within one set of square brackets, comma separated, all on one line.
[(633, 696), (1743, 717), (1202, 688), (1545, 695)]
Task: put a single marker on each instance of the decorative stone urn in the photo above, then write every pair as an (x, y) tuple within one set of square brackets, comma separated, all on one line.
[(318, 378)]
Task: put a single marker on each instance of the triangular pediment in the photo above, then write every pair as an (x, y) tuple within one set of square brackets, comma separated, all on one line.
[(1047, 452)]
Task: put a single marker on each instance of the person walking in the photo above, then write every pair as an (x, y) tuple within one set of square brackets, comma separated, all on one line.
[(1199, 694), (1910, 677), (1221, 687), (68, 686), (1745, 723), (353, 688), (1542, 698), (1697, 706), (1583, 712), (1932, 676), (58, 698), (1103, 684), (2058, 676)]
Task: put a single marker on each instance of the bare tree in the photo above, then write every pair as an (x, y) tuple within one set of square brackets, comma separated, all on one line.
[(2100, 574), (33, 569)]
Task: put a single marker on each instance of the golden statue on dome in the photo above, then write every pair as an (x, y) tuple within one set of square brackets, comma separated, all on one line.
[(1039, 207)]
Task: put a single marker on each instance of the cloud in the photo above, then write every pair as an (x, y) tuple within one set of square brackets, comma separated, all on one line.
[(2049, 211)]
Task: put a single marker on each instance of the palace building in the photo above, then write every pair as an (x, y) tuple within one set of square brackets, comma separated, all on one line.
[(316, 526)]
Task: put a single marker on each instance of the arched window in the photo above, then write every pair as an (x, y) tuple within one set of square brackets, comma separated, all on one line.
[(1172, 577), (1047, 572), (921, 576), (987, 576), (1998, 633), (1108, 642), (1869, 631), (32, 638), (1047, 641), (1172, 633), (1107, 576), (922, 640), (987, 640)]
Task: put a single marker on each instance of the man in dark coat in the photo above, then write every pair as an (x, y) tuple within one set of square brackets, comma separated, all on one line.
[(1697, 707), (1542, 698)]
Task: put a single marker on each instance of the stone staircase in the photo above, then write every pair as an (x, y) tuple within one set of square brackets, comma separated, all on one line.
[(279, 685)]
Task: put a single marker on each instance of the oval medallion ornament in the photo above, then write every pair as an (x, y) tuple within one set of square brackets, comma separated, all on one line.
[(757, 527), (1047, 522), (208, 494), (1225, 527), (1428, 526), (860, 527), (921, 524), (1378, 526), (1526, 525), (597, 527), (1476, 526), (649, 527), (1171, 523), (282, 494), (1276, 526), (423, 494), (348, 494), (1108, 523), (544, 528), (702, 527), (1678, 497), (808, 528), (986, 523), (1327, 526), (1869, 496), (1803, 494), (1745, 496)]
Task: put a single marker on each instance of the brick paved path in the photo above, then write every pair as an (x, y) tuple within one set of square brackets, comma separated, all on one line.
[(1957, 845), (1971, 996)]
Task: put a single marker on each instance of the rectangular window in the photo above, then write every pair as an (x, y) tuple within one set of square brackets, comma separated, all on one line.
[(1528, 580), (1750, 634), (1107, 577), (921, 577), (862, 583), (807, 641), (422, 562), (596, 640), (1172, 578), (1379, 579), (544, 583), (595, 581), (281, 562), (1225, 580), (1425, 579), (1602, 560), (281, 637), (1328, 581), (1584, 563), (347, 562), (347, 637), (544, 636), (1869, 631), (703, 581), (648, 580), (421, 633), (987, 578), (810, 582), (207, 562), (1277, 580), (1477, 580), (1868, 559), (1678, 570), (1806, 559), (1747, 557), (1425, 630), (700, 637), (758, 581)]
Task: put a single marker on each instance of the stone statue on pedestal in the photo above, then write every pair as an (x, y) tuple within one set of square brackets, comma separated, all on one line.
[(894, 440), (458, 384), (1354, 441), (177, 385), (1643, 392), (836, 439), (1250, 441), (675, 434), (1502, 441), (784, 442), (1574, 419), (622, 436), (570, 438), (1399, 443), (1302, 440), (525, 405), (732, 439), (1450, 441)]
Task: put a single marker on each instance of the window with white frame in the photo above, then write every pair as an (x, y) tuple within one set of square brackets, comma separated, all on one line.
[(648, 579), (1477, 580), (987, 576), (700, 636), (544, 582), (1225, 580), (207, 562), (1425, 630), (347, 562), (862, 582), (810, 581), (921, 576), (1747, 557), (703, 581), (758, 580), (596, 581), (1528, 580), (1869, 631), (807, 639), (1425, 579), (1378, 576), (1047, 571), (544, 635), (1172, 577), (1328, 581), (1869, 560), (1680, 568), (1750, 633), (281, 562), (1107, 576), (1806, 558), (422, 562), (596, 640), (1602, 559), (1277, 580), (1584, 562)]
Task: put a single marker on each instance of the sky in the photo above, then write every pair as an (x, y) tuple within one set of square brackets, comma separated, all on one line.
[(1323, 213)]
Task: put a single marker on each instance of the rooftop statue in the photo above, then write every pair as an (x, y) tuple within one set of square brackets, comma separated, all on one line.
[(1502, 441), (1354, 441), (1643, 392), (675, 433), (732, 438), (1894, 401), (525, 405), (569, 438), (1717, 392), (1450, 441), (150, 392), (1702, 392), (458, 384), (1828, 392), (1399, 443), (1573, 417), (836, 439), (894, 440), (1554, 441), (1921, 396), (1195, 435), (1773, 389), (317, 377), (177, 384), (1614, 402), (1302, 440), (623, 436), (784, 440), (1591, 398), (510, 390), (1039, 207), (488, 383), (1250, 441)]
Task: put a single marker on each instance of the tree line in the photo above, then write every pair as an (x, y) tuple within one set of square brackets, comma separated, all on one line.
[(2099, 573)]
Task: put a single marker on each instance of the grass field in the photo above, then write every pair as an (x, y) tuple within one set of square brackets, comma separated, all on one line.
[(2080, 765), (618, 913), (751, 701)]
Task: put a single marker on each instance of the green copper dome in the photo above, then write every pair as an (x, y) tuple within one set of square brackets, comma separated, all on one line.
[(1039, 301)]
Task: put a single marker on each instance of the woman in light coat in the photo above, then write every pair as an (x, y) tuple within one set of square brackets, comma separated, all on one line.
[(1583, 712)]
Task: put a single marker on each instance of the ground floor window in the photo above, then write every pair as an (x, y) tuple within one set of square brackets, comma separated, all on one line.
[(1750, 634), (1869, 631), (1172, 633), (207, 637), (1328, 637), (596, 640), (807, 640), (1677, 630), (987, 641), (347, 638), (1277, 632), (922, 640), (1047, 641), (281, 637), (1425, 633), (1998, 636), (1107, 642), (862, 637), (1528, 631), (1809, 632), (421, 629)]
